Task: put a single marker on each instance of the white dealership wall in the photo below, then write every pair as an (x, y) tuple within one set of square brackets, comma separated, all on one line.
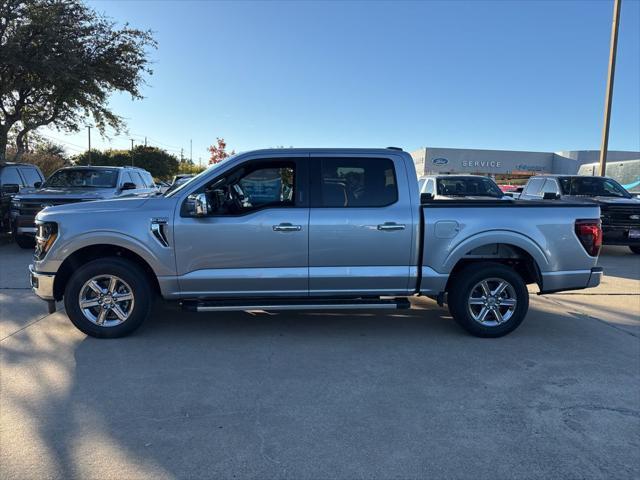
[(494, 162)]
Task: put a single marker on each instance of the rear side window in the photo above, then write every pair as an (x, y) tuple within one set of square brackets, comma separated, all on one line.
[(357, 182), (9, 175), (534, 186), (31, 176)]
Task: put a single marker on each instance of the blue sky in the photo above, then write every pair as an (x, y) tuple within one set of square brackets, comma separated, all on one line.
[(522, 75)]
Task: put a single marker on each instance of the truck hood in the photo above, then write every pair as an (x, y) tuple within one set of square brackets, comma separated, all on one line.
[(67, 194), (113, 205)]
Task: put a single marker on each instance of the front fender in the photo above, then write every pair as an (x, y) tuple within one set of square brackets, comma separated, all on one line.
[(161, 261)]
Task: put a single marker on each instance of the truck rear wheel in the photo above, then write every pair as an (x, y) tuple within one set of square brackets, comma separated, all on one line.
[(108, 298), (488, 299)]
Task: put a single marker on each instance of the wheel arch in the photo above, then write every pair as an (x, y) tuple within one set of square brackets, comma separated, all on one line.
[(96, 251), (515, 251)]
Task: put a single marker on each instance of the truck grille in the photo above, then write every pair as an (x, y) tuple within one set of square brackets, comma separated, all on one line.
[(621, 215), (32, 207)]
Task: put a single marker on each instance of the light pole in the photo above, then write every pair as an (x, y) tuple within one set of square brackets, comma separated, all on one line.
[(617, 4), (89, 132)]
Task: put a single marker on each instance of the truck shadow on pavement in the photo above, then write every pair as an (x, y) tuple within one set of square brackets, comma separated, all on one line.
[(324, 395)]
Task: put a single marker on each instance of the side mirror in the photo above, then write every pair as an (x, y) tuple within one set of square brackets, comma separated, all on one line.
[(425, 197), (10, 188), (37, 185), (550, 196), (128, 186), (201, 205)]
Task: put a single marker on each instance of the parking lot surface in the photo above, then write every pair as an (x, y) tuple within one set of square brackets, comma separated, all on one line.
[(325, 395)]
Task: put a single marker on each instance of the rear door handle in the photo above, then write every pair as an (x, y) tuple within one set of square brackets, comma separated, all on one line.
[(390, 226), (287, 227)]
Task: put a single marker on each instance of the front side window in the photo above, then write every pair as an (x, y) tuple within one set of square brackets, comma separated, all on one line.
[(31, 176), (550, 186), (534, 186), (357, 182), (252, 187), (83, 178)]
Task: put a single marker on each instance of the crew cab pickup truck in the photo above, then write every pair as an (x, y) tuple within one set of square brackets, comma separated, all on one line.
[(321, 229)]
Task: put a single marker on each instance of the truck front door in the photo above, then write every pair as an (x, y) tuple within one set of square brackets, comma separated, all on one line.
[(254, 241)]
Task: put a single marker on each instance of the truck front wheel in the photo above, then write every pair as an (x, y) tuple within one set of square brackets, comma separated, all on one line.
[(108, 298), (488, 299)]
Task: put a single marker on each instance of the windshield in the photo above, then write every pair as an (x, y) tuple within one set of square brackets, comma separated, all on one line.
[(592, 187), (468, 186), (172, 191), (83, 178)]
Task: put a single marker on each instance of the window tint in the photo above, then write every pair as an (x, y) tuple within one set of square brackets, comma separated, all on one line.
[(534, 186), (357, 182), (147, 178), (268, 184), (30, 175), (550, 186), (9, 175), (83, 178), (430, 187), (137, 179)]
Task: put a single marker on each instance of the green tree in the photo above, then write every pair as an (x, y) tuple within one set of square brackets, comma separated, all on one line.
[(158, 162), (59, 62)]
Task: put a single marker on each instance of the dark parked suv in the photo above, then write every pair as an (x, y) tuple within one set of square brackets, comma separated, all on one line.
[(71, 185), (14, 178), (619, 210)]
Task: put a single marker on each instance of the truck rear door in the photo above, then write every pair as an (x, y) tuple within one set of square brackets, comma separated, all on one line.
[(360, 226)]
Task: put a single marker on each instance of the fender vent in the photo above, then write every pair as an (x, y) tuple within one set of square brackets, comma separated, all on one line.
[(158, 226)]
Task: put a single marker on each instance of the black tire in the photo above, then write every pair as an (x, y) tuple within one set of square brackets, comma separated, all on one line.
[(25, 241), (635, 249), (466, 280), (125, 270)]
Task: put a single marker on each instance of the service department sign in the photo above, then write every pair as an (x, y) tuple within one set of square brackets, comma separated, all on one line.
[(481, 164)]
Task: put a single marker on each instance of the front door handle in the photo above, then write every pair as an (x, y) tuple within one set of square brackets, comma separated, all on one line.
[(287, 227), (390, 226)]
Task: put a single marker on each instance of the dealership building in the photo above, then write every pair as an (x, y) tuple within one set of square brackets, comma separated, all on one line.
[(507, 163)]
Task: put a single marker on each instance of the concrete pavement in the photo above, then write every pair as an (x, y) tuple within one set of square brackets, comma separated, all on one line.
[(325, 395)]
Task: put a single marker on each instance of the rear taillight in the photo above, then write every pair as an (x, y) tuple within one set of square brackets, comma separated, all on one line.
[(589, 232)]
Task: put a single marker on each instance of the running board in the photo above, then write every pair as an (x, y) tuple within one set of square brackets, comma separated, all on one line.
[(297, 304)]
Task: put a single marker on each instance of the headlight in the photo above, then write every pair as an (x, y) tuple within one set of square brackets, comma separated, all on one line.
[(15, 204), (46, 234)]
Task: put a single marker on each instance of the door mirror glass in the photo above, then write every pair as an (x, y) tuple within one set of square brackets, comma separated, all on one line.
[(128, 186), (37, 185), (10, 188), (201, 205), (550, 196)]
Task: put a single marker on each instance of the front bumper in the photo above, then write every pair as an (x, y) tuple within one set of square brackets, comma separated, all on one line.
[(42, 284)]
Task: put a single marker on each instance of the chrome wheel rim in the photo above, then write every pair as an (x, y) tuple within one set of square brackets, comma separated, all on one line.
[(106, 300), (492, 302)]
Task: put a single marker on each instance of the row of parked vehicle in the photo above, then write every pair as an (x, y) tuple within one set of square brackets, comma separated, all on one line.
[(619, 210), (24, 191)]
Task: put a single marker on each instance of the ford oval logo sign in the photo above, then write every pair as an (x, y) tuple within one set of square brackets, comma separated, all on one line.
[(439, 161)]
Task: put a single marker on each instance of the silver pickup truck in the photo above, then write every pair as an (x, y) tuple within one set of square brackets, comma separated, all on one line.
[(302, 229)]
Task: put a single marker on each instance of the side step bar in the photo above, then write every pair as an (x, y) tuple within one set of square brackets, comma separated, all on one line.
[(295, 304)]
